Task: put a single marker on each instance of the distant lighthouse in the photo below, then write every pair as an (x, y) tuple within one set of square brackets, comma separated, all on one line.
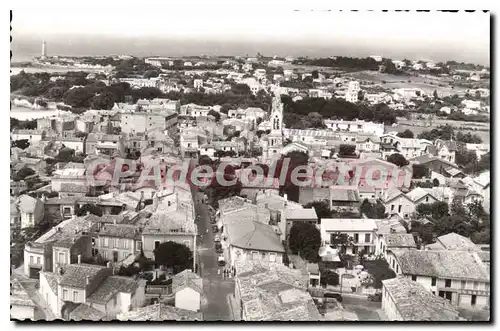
[(44, 49)]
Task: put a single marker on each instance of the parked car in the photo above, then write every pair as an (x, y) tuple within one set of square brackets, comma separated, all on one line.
[(221, 260), (336, 296), (377, 297)]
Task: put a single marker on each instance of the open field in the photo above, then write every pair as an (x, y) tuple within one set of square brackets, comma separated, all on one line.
[(418, 126), (427, 84)]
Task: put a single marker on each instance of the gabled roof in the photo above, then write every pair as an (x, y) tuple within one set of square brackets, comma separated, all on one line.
[(75, 274), (415, 303), (442, 264), (111, 286), (253, 235), (402, 240), (418, 193), (187, 278), (454, 241), (160, 312)]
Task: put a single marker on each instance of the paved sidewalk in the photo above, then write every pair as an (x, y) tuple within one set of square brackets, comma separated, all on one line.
[(234, 308)]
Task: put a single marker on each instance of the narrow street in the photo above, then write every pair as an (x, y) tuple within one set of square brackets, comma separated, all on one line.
[(216, 288)]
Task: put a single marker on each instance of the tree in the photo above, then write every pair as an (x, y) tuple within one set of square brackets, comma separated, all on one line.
[(347, 150), (315, 74), (151, 74), (23, 173), (174, 255), (397, 159), (455, 223), (435, 95), (406, 134), (322, 208), (329, 277), (379, 269), (435, 182), (104, 100), (79, 97), (214, 114), (468, 138), (305, 240), (65, 155), (340, 241), (372, 210), (89, 208), (419, 171), (21, 143), (438, 209)]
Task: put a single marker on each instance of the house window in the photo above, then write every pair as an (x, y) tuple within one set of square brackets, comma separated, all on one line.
[(65, 294), (414, 278), (125, 244), (367, 237), (138, 245), (462, 284), (356, 237), (106, 242), (427, 199), (399, 208), (392, 207), (38, 260), (475, 284), (61, 258), (75, 296), (157, 244), (397, 269), (393, 264), (447, 283), (433, 281), (473, 300), (115, 243), (255, 255), (354, 250), (272, 257), (31, 259)]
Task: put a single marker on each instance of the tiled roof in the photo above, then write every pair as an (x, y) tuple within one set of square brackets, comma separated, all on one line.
[(304, 213), (73, 188), (111, 286), (343, 195), (400, 240), (274, 293), (86, 313), (75, 274), (414, 303), (160, 312), (52, 279), (389, 226), (254, 235), (118, 230), (418, 193), (455, 242), (442, 264), (187, 278), (18, 294)]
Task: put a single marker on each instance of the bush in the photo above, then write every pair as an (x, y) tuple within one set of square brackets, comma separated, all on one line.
[(379, 270)]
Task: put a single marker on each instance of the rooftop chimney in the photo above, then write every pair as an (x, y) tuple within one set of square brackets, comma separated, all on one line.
[(79, 259), (87, 280)]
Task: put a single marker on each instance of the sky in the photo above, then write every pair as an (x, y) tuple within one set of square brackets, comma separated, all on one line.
[(177, 31)]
